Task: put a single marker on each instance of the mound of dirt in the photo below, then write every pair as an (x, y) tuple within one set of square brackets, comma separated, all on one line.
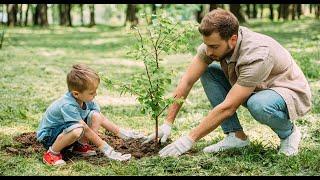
[(28, 145)]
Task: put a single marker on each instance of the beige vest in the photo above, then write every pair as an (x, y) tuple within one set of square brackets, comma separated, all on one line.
[(260, 61)]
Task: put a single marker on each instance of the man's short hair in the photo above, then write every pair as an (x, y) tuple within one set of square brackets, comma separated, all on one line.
[(81, 77), (220, 21)]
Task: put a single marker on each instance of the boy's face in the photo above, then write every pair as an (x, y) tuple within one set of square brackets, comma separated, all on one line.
[(88, 94)]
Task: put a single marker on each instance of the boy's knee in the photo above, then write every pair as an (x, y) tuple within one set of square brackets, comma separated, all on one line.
[(96, 117), (77, 133)]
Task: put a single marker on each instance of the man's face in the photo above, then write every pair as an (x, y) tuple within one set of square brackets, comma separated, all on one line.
[(218, 48)]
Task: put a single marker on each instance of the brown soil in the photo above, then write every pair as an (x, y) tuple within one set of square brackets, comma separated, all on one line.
[(28, 145)]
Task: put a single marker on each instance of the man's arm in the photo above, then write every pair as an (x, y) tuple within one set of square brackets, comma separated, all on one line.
[(236, 96), (192, 75)]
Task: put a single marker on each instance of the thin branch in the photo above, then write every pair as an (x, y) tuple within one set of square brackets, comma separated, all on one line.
[(146, 67), (165, 107), (168, 33)]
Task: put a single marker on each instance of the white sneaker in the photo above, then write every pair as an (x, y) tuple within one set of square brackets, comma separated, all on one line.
[(290, 145), (230, 141)]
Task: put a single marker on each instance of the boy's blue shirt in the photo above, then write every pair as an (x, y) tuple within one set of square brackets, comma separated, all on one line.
[(64, 110)]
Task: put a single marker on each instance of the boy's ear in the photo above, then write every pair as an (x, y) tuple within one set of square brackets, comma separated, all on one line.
[(75, 94)]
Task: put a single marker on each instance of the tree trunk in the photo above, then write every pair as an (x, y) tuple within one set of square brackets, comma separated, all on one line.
[(35, 15), (236, 10), (285, 11), (131, 15), (261, 14), (200, 14), (69, 6), (20, 14), (213, 6), (248, 11), (317, 11), (81, 14), (293, 11), (62, 16), (271, 12), (27, 13), (12, 10), (41, 16), (65, 14), (154, 8), (92, 21), (157, 135), (254, 11), (299, 10)]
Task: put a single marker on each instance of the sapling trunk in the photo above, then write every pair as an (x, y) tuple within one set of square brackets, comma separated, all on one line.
[(157, 127)]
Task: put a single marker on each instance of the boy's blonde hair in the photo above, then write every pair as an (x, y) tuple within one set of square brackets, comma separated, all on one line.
[(81, 77)]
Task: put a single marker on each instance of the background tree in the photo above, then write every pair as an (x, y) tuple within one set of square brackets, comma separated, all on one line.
[(271, 16), (131, 16), (26, 15), (81, 14), (12, 10), (236, 10), (213, 6), (2, 32), (199, 13), (20, 15), (317, 11), (254, 11), (299, 10), (40, 15), (92, 17), (65, 14), (261, 11), (248, 11)]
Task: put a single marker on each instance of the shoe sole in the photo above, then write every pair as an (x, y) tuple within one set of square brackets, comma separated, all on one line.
[(45, 162)]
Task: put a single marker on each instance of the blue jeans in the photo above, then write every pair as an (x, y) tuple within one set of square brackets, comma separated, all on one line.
[(266, 106)]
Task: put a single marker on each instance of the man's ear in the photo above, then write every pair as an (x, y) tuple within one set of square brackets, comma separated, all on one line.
[(233, 41)]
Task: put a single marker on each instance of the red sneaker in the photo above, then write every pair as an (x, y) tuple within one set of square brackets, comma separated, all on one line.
[(84, 150), (53, 160)]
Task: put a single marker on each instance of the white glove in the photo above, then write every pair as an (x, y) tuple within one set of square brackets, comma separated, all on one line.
[(128, 134), (110, 153), (164, 132), (180, 146)]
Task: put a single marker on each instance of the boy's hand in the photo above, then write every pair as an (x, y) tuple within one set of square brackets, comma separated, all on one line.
[(112, 154), (163, 133), (129, 134)]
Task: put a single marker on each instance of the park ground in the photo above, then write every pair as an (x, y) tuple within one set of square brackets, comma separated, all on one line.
[(34, 63)]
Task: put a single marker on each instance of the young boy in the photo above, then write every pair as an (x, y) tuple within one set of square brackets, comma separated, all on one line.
[(75, 118)]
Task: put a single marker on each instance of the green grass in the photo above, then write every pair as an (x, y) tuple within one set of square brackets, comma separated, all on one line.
[(34, 63)]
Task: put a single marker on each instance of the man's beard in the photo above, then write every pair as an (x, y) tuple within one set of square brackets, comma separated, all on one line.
[(228, 53)]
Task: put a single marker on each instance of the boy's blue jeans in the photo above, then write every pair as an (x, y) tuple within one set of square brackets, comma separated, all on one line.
[(266, 106)]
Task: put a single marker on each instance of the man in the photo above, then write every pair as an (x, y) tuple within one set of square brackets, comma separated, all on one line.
[(255, 71)]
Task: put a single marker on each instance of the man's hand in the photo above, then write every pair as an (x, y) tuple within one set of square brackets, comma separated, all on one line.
[(112, 154), (180, 146), (129, 134), (164, 132)]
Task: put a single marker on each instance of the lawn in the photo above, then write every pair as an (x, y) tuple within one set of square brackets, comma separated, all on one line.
[(34, 65)]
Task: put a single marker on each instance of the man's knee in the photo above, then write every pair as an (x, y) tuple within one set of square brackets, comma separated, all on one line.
[(259, 110)]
